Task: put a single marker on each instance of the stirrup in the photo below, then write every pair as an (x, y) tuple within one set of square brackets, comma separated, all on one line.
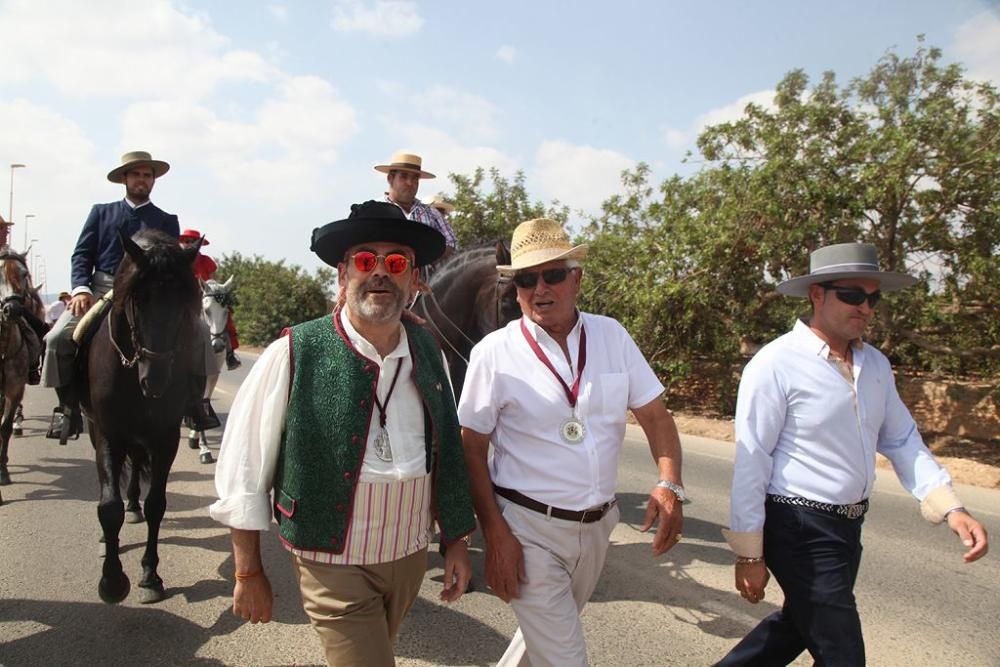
[(55, 431)]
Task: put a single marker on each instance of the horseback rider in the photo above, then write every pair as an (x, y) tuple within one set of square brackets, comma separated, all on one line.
[(27, 309), (95, 259), (204, 269)]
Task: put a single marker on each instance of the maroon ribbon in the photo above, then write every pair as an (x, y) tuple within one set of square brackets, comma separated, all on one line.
[(571, 393)]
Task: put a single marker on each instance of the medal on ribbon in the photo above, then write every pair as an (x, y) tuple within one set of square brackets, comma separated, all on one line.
[(382, 446), (572, 431)]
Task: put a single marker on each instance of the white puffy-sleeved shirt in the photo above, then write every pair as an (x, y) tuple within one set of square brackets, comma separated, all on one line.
[(803, 429), (512, 397)]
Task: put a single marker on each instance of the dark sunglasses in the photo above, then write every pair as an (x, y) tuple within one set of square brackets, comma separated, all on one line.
[(529, 279), (366, 261), (853, 296)]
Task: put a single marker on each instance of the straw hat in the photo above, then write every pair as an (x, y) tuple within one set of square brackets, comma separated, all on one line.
[(137, 159), (439, 202), (192, 235), (539, 241), (404, 162), (841, 261), (372, 222)]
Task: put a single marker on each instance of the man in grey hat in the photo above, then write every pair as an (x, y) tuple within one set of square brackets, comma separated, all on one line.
[(95, 259), (814, 406)]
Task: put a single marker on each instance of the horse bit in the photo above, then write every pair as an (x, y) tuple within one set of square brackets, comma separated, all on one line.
[(141, 351)]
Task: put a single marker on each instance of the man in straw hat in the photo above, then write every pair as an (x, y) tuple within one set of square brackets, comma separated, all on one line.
[(403, 173), (95, 259), (350, 420), (550, 393), (814, 406)]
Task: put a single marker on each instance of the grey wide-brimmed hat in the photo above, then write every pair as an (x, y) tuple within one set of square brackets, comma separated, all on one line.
[(841, 261), (137, 159)]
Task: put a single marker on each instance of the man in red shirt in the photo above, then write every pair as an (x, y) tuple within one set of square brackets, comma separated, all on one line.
[(204, 269)]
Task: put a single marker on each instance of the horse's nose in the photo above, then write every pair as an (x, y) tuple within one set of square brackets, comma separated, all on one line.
[(218, 345)]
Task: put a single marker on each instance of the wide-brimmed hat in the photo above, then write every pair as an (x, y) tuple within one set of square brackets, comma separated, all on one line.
[(375, 221), (192, 235), (438, 201), (538, 241), (62, 294), (404, 162), (842, 261), (137, 159)]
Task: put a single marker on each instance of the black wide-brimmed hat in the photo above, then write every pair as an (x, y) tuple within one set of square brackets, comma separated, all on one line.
[(372, 222), (842, 261)]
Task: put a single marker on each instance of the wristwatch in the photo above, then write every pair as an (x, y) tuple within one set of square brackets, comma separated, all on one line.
[(677, 489)]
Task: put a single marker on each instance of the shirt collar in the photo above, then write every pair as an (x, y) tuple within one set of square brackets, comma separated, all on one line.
[(134, 206), (401, 350), (807, 338), (536, 331)]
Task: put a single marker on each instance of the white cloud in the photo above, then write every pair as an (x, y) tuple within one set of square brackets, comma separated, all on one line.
[(472, 116), (734, 110), (442, 154), (977, 45), (674, 138), (581, 177), (114, 49), (506, 53), (278, 11), (384, 18)]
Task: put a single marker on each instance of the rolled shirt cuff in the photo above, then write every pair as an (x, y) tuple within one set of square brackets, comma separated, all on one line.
[(246, 512), (745, 545), (939, 502), (82, 289)]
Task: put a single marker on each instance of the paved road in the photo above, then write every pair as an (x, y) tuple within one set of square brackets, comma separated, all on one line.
[(920, 604)]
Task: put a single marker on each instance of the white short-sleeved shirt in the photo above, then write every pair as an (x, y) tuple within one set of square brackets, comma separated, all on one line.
[(511, 396)]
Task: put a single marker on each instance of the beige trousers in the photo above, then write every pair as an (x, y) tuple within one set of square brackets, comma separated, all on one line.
[(562, 562), (357, 609)]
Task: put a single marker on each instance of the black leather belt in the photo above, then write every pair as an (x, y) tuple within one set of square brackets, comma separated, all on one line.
[(581, 516), (852, 511)]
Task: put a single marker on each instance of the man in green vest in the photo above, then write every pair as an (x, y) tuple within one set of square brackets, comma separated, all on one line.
[(346, 432)]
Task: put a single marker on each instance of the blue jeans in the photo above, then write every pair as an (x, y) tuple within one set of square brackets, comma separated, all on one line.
[(814, 556)]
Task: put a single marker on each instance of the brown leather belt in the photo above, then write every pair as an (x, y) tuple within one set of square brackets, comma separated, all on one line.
[(581, 516)]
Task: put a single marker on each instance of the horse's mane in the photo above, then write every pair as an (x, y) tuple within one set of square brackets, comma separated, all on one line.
[(11, 272), (164, 262), (460, 261)]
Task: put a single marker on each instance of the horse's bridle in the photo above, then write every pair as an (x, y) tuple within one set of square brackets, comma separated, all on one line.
[(141, 352), (502, 280)]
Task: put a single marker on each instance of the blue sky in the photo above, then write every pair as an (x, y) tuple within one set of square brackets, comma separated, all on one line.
[(273, 113)]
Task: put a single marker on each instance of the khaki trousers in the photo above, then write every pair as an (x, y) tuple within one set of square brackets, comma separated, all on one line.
[(562, 562), (357, 609)]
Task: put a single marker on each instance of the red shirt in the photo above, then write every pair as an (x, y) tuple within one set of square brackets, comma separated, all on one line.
[(204, 267)]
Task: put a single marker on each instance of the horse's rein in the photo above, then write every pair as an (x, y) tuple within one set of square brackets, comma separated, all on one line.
[(140, 351)]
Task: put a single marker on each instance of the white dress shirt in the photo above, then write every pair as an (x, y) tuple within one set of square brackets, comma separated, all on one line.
[(803, 429), (511, 396), (248, 458)]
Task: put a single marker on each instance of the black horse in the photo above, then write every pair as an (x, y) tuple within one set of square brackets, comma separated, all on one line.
[(134, 390), (468, 300)]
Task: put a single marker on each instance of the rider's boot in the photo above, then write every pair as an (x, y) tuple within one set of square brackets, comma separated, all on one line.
[(200, 415), (68, 402), (232, 361)]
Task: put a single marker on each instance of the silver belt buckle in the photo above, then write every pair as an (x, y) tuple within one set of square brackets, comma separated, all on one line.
[(852, 511)]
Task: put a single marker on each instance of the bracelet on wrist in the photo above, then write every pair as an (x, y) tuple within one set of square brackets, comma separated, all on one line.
[(744, 560), (240, 576)]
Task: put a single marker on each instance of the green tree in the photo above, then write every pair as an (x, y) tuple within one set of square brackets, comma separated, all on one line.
[(273, 296), (905, 158), (490, 214)]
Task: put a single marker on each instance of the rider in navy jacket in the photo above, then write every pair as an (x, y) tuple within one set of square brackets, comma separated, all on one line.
[(98, 248)]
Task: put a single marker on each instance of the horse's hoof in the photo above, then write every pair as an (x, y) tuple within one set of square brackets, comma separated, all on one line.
[(134, 516), (4, 477), (152, 594), (17, 432), (206, 457), (193, 443), (113, 591)]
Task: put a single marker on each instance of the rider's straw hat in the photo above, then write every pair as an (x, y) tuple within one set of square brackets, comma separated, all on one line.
[(439, 202), (401, 161), (538, 241), (841, 261), (372, 222), (137, 159)]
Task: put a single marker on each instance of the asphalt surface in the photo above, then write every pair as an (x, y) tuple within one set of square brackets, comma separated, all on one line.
[(920, 604)]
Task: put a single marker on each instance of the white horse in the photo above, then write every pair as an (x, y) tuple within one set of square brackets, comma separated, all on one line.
[(216, 298)]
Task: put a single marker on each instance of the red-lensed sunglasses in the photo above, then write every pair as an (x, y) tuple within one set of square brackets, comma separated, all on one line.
[(366, 261)]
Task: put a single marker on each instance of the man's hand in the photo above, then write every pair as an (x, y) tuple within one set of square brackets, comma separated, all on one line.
[(504, 563), (663, 504), (751, 580), (972, 534), (81, 303), (457, 571), (252, 599)]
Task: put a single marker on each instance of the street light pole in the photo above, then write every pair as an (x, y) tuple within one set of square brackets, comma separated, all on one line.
[(10, 205), (31, 263), (26, 216)]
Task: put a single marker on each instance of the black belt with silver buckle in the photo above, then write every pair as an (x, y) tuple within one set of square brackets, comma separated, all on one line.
[(581, 516), (853, 511)]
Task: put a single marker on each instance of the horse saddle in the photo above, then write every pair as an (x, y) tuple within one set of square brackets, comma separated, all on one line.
[(88, 324)]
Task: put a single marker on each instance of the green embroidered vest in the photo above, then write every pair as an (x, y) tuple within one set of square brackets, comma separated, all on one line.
[(330, 409)]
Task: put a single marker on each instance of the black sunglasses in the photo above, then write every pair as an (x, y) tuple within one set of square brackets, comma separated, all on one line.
[(853, 296), (528, 279)]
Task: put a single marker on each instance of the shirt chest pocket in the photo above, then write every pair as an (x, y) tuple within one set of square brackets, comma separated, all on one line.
[(612, 393)]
